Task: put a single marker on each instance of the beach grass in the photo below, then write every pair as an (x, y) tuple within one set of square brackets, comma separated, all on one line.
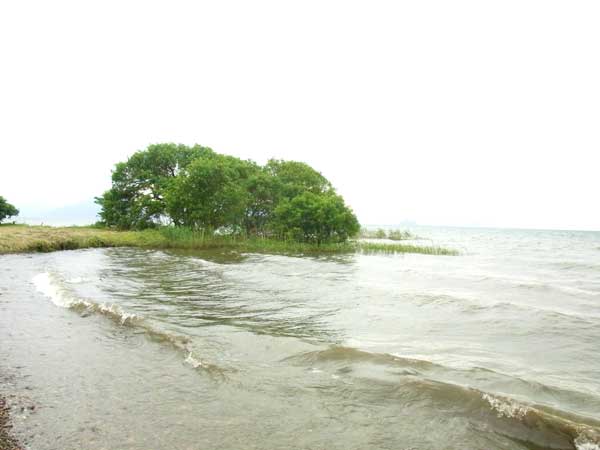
[(24, 238)]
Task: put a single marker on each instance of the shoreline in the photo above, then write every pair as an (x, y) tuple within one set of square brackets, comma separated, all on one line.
[(7, 441), (37, 238)]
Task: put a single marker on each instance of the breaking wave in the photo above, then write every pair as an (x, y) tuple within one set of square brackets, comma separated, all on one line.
[(51, 286), (445, 388)]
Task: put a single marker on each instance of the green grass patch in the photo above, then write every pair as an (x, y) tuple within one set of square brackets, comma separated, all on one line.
[(376, 247), (18, 238)]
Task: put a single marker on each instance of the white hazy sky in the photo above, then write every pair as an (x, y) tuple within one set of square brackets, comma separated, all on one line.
[(443, 112)]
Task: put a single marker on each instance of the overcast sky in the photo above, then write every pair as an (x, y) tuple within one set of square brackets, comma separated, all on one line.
[(443, 112)]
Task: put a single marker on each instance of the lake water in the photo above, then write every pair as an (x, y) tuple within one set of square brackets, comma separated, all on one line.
[(498, 348)]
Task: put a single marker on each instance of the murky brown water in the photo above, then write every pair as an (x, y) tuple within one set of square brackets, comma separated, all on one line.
[(131, 349)]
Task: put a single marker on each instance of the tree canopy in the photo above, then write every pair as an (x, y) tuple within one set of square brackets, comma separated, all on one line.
[(198, 188), (211, 193), (318, 218), (6, 209), (137, 197)]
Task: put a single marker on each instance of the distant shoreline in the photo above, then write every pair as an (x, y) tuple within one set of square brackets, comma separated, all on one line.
[(25, 239)]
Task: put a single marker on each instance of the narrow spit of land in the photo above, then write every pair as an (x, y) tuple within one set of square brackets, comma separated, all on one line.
[(24, 238)]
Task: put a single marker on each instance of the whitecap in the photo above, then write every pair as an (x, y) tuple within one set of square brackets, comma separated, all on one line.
[(195, 363), (584, 442), (49, 285), (506, 407), (45, 284)]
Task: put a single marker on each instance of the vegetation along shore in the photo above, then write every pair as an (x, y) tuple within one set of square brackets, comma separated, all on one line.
[(175, 196), (25, 238)]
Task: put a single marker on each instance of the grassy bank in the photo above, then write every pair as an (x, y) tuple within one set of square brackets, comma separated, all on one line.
[(23, 238)]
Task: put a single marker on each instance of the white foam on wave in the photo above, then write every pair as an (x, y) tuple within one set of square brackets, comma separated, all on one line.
[(505, 407), (586, 445), (587, 438), (195, 363), (76, 280), (585, 442), (112, 309), (51, 288), (45, 284)]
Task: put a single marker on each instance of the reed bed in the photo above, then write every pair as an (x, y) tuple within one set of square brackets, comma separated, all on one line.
[(393, 235), (376, 247)]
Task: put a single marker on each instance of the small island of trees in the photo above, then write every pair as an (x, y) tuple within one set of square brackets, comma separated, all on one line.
[(171, 196), (6, 209), (200, 189)]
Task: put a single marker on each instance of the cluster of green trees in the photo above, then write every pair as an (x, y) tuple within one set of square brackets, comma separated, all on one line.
[(6, 209), (198, 188)]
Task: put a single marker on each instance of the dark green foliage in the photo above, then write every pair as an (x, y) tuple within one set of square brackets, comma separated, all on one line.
[(261, 187), (137, 197), (211, 193), (293, 178), (315, 218), (6, 209), (197, 188)]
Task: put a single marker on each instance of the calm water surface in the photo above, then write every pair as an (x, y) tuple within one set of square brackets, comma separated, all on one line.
[(498, 348)]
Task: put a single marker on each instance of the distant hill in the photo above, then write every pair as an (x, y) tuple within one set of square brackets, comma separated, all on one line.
[(83, 213)]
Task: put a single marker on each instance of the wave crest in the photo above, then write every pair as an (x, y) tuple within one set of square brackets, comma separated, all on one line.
[(50, 285), (506, 407)]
